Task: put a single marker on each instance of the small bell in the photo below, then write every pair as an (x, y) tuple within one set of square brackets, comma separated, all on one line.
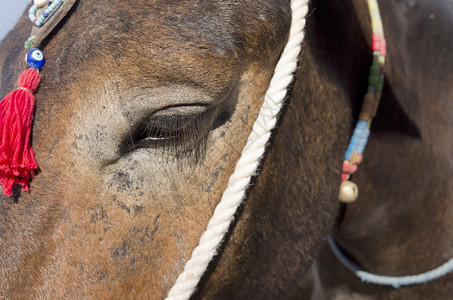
[(349, 192)]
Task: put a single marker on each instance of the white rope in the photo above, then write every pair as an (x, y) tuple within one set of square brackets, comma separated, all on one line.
[(395, 281), (248, 162)]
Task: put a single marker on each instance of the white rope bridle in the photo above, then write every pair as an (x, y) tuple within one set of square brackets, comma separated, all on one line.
[(249, 161)]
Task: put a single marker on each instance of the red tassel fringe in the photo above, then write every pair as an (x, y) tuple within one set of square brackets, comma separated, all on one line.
[(17, 161)]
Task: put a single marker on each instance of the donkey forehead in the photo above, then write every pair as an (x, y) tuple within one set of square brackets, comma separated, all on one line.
[(225, 27), (200, 43)]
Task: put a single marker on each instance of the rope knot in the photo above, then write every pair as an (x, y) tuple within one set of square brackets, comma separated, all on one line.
[(25, 89)]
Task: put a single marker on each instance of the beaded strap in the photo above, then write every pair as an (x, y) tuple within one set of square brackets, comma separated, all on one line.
[(354, 153), (43, 18)]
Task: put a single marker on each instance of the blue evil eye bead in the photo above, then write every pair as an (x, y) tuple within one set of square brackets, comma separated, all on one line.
[(35, 59)]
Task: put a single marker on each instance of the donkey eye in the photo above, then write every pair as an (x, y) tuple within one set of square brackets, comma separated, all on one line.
[(159, 134), (171, 132), (166, 128)]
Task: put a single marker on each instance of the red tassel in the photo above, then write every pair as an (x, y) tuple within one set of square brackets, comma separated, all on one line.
[(17, 161)]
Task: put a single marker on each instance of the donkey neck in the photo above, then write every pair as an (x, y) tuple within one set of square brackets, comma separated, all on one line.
[(402, 221)]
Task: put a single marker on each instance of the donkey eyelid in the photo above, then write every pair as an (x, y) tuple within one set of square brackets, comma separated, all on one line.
[(170, 129), (181, 110)]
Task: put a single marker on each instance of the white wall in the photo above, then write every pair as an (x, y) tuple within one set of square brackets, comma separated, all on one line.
[(10, 12)]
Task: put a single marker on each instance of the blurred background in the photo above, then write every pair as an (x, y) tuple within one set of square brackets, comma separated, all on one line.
[(10, 13)]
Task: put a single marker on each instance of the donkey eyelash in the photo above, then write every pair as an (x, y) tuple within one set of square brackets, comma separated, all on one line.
[(169, 133)]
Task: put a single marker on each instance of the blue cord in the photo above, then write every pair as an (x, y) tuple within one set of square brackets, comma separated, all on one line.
[(394, 281)]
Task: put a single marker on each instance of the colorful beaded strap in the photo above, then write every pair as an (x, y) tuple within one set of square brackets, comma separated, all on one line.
[(52, 7), (354, 153)]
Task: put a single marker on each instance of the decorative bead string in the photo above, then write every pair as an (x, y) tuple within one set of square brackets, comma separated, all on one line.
[(249, 161), (52, 7), (354, 153)]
